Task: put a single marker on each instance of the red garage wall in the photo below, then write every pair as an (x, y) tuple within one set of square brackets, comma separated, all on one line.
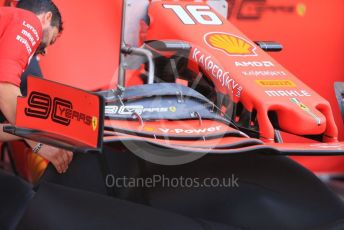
[(86, 55)]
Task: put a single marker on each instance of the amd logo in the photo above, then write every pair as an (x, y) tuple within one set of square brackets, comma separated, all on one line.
[(254, 64)]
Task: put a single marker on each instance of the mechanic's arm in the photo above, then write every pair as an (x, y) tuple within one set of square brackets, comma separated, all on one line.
[(60, 158), (8, 103), (8, 94)]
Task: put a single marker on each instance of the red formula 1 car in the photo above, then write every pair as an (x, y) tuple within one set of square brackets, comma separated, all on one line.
[(213, 106)]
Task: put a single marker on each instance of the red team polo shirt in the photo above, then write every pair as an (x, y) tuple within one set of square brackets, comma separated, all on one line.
[(20, 35)]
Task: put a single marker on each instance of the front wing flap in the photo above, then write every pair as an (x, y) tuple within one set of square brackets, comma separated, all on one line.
[(60, 115)]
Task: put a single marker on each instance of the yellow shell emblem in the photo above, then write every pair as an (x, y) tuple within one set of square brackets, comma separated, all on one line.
[(149, 129), (230, 44)]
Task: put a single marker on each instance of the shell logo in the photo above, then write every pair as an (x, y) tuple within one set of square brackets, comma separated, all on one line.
[(230, 44), (149, 129)]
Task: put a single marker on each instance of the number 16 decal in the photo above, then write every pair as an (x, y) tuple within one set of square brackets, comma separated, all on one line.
[(201, 14)]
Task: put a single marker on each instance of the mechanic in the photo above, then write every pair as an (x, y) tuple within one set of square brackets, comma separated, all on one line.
[(23, 34), (33, 68), (24, 31)]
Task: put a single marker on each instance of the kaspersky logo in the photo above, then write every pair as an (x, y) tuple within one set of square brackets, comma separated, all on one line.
[(230, 44)]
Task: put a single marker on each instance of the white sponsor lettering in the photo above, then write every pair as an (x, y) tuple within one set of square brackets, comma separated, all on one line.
[(338, 146), (29, 36), (217, 72), (25, 43), (164, 130), (264, 73), (30, 27), (139, 109), (254, 64), (128, 110), (288, 93), (111, 109), (191, 131)]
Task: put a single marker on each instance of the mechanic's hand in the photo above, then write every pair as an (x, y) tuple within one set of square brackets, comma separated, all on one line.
[(60, 158)]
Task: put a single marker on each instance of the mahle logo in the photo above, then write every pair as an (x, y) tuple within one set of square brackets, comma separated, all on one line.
[(230, 44)]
